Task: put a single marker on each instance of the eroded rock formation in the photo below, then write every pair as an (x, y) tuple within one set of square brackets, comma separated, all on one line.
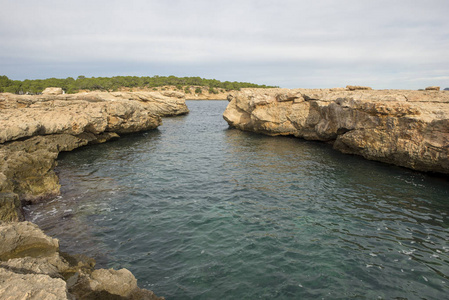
[(401, 127), (31, 267), (34, 129)]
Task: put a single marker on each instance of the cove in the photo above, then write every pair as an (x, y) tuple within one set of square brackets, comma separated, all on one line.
[(197, 210)]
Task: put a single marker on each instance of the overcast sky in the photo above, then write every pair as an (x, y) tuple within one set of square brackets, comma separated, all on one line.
[(310, 44)]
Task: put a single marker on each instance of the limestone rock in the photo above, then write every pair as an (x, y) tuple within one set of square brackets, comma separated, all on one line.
[(53, 91), (25, 239), (108, 284), (94, 112), (117, 282), (432, 88), (27, 167), (31, 286), (31, 267), (36, 128), (357, 87), (405, 128), (76, 117)]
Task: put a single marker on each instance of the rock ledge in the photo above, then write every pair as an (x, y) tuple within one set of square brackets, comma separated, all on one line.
[(45, 273), (34, 130), (401, 127)]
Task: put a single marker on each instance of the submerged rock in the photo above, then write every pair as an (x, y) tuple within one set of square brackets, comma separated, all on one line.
[(405, 128)]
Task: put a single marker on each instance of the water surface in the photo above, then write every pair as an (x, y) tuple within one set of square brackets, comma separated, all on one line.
[(200, 211)]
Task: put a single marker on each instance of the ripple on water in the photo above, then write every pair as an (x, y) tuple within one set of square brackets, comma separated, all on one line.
[(199, 211)]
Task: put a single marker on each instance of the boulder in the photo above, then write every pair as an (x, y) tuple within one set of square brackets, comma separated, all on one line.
[(117, 282), (53, 91), (108, 284)]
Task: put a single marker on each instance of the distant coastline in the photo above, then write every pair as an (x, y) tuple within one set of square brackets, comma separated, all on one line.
[(193, 86)]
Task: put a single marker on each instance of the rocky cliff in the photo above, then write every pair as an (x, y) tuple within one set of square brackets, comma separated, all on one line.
[(33, 130), (401, 127), (32, 267)]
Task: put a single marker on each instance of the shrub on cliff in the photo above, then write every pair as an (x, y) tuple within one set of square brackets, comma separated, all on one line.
[(213, 91)]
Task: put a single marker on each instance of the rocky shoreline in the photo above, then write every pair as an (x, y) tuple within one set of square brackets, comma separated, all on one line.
[(401, 127), (405, 128), (35, 129)]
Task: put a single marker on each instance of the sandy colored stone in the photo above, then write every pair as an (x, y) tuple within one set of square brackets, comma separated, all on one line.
[(31, 286), (65, 116), (108, 284), (35, 129), (27, 167), (94, 112), (25, 239), (117, 282), (357, 87), (432, 88), (52, 265), (31, 267), (53, 91), (401, 127)]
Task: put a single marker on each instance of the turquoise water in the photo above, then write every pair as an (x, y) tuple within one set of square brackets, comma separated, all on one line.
[(200, 211)]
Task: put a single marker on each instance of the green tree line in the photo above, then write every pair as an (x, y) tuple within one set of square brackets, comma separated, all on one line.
[(71, 85)]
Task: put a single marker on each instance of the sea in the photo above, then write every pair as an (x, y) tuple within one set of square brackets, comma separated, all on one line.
[(198, 210)]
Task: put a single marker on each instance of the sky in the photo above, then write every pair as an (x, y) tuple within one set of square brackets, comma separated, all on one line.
[(392, 44)]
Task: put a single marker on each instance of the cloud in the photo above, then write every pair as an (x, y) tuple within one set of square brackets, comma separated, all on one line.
[(265, 39)]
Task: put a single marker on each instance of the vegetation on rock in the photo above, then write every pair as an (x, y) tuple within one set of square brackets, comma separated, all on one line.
[(71, 85)]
